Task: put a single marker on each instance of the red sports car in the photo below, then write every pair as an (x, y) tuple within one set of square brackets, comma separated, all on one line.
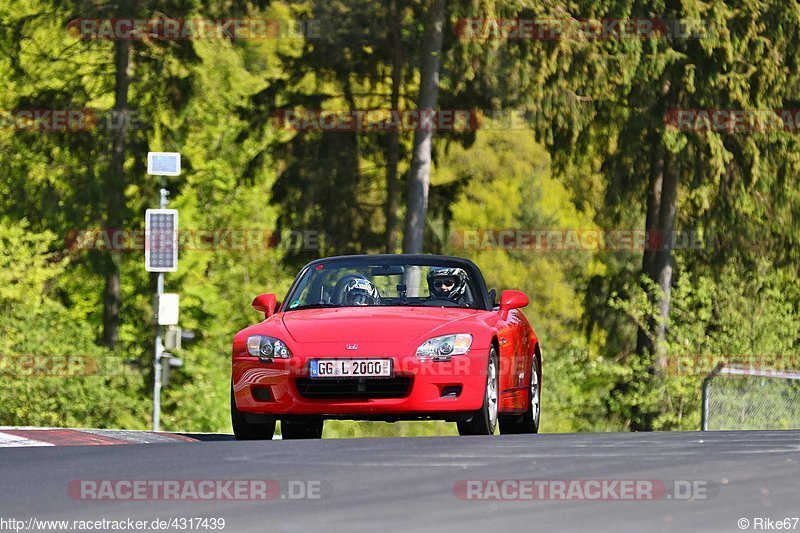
[(387, 337)]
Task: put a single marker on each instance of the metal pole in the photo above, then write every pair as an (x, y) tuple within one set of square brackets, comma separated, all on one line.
[(159, 347), (157, 369), (706, 382), (704, 412)]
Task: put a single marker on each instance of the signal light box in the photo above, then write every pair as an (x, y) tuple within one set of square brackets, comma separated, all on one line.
[(161, 240), (167, 309), (164, 163)]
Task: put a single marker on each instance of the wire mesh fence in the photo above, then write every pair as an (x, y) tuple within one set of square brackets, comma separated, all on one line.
[(745, 398)]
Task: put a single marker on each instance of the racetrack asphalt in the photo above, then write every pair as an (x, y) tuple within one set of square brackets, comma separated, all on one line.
[(417, 484)]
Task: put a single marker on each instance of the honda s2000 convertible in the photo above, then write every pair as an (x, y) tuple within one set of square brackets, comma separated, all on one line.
[(387, 337)]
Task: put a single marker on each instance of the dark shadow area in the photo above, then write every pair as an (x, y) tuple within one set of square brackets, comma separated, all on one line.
[(207, 437)]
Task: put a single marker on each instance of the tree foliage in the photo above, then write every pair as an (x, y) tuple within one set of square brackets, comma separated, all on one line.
[(595, 152)]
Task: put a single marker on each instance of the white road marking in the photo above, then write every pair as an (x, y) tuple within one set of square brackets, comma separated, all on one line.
[(13, 441)]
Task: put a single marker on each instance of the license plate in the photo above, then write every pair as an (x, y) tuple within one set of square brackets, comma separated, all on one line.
[(350, 368)]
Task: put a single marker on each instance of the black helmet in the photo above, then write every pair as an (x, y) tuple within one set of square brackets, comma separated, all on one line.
[(360, 291), (450, 283)]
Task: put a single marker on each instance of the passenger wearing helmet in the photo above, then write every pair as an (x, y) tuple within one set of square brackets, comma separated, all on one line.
[(448, 283), (360, 291)]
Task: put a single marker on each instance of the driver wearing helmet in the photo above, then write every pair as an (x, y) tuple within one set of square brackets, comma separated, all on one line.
[(360, 292), (448, 283)]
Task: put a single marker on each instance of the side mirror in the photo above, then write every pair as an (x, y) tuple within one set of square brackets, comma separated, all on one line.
[(512, 300), (265, 303)]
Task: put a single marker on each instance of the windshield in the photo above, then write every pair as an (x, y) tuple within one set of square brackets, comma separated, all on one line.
[(362, 284)]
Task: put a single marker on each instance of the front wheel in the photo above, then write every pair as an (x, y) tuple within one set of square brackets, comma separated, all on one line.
[(528, 422), (484, 420), (244, 430)]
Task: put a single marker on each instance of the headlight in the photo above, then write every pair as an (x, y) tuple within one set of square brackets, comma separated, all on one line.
[(267, 347), (445, 346)]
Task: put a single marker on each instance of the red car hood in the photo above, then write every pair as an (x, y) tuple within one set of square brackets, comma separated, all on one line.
[(369, 324)]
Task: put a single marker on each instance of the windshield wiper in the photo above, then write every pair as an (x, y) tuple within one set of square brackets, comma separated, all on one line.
[(313, 306)]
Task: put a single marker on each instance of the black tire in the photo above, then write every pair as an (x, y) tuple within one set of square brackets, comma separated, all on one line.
[(244, 430), (306, 428), (484, 420), (527, 423)]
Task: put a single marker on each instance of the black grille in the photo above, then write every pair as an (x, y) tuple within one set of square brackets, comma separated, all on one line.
[(262, 394), (355, 389)]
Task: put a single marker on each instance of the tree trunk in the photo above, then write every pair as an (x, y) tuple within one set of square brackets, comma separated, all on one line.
[(419, 177), (115, 193), (643, 341), (393, 149), (663, 261), (657, 260)]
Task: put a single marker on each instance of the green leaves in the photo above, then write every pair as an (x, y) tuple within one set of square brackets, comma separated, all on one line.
[(27, 267), (46, 347)]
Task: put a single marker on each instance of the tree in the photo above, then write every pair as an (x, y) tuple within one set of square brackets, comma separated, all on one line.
[(115, 182), (419, 176), (99, 165), (393, 141), (721, 68)]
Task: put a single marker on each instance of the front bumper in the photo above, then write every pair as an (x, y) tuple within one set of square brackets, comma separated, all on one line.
[(434, 389)]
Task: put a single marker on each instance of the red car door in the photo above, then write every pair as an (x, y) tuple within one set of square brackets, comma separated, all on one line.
[(514, 361)]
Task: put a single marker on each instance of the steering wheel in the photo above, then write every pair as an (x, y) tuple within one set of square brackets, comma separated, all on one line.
[(439, 302)]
